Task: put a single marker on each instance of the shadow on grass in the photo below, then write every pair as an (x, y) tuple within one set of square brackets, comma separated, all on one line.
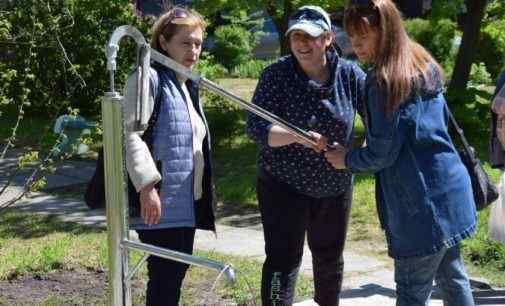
[(16, 224)]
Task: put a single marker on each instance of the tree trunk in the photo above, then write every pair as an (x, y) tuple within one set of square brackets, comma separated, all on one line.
[(469, 42), (410, 8), (281, 21)]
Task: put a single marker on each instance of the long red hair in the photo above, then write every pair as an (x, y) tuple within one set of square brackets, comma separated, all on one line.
[(401, 65)]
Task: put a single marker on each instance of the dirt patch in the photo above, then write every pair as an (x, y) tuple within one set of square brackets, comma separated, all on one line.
[(82, 287), (63, 287)]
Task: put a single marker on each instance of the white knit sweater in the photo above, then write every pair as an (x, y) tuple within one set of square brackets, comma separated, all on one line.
[(139, 162)]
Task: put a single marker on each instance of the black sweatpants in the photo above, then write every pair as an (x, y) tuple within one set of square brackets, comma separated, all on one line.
[(166, 276), (286, 217)]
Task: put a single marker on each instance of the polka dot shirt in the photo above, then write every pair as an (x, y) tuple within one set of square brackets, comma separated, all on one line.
[(285, 90)]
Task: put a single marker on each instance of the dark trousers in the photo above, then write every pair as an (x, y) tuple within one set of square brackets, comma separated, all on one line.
[(286, 217), (165, 276)]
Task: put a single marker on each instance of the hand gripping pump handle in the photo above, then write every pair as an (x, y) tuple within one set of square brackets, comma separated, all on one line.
[(170, 63)]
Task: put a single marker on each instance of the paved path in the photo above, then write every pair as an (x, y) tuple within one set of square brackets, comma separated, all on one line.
[(367, 282)]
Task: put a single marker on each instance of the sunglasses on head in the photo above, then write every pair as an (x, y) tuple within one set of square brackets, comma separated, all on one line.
[(309, 14), (176, 13)]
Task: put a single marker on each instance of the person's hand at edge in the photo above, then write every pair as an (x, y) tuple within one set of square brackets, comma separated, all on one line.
[(336, 156), (150, 205), (320, 145)]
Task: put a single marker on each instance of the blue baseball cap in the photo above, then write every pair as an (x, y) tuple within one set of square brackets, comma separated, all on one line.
[(311, 19)]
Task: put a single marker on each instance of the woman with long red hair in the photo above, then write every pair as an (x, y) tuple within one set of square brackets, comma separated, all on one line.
[(423, 191)]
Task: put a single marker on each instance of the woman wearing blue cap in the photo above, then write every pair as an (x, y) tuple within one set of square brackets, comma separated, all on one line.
[(299, 192)]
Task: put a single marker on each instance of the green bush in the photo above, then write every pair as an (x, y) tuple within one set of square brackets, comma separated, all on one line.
[(225, 117), (250, 69), (481, 250), (479, 75), (55, 52), (208, 68), (471, 109), (438, 37), (492, 47), (232, 45)]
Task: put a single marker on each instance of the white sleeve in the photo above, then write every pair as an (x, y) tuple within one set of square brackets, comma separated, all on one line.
[(139, 161)]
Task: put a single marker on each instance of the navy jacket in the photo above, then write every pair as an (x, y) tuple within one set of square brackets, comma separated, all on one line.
[(285, 90), (423, 191)]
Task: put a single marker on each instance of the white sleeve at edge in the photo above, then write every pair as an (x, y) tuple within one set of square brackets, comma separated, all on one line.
[(139, 161)]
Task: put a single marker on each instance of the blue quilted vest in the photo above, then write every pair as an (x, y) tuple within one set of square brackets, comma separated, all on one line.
[(172, 151)]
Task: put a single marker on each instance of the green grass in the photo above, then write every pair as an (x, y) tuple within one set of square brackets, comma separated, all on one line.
[(485, 257), (235, 175), (243, 88), (233, 152), (248, 282), (57, 300), (39, 244), (31, 243), (35, 244), (235, 166)]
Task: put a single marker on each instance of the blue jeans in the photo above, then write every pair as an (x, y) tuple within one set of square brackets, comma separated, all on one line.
[(414, 279)]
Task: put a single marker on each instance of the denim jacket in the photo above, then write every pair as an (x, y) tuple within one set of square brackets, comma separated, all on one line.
[(423, 191)]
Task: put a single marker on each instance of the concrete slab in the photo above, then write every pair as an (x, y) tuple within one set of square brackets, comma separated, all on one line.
[(232, 241), (365, 301), (82, 170), (385, 297), (58, 181), (378, 289), (66, 173), (68, 210), (10, 193)]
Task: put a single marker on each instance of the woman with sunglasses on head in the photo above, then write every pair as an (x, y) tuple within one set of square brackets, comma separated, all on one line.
[(298, 191), (169, 162), (423, 190)]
